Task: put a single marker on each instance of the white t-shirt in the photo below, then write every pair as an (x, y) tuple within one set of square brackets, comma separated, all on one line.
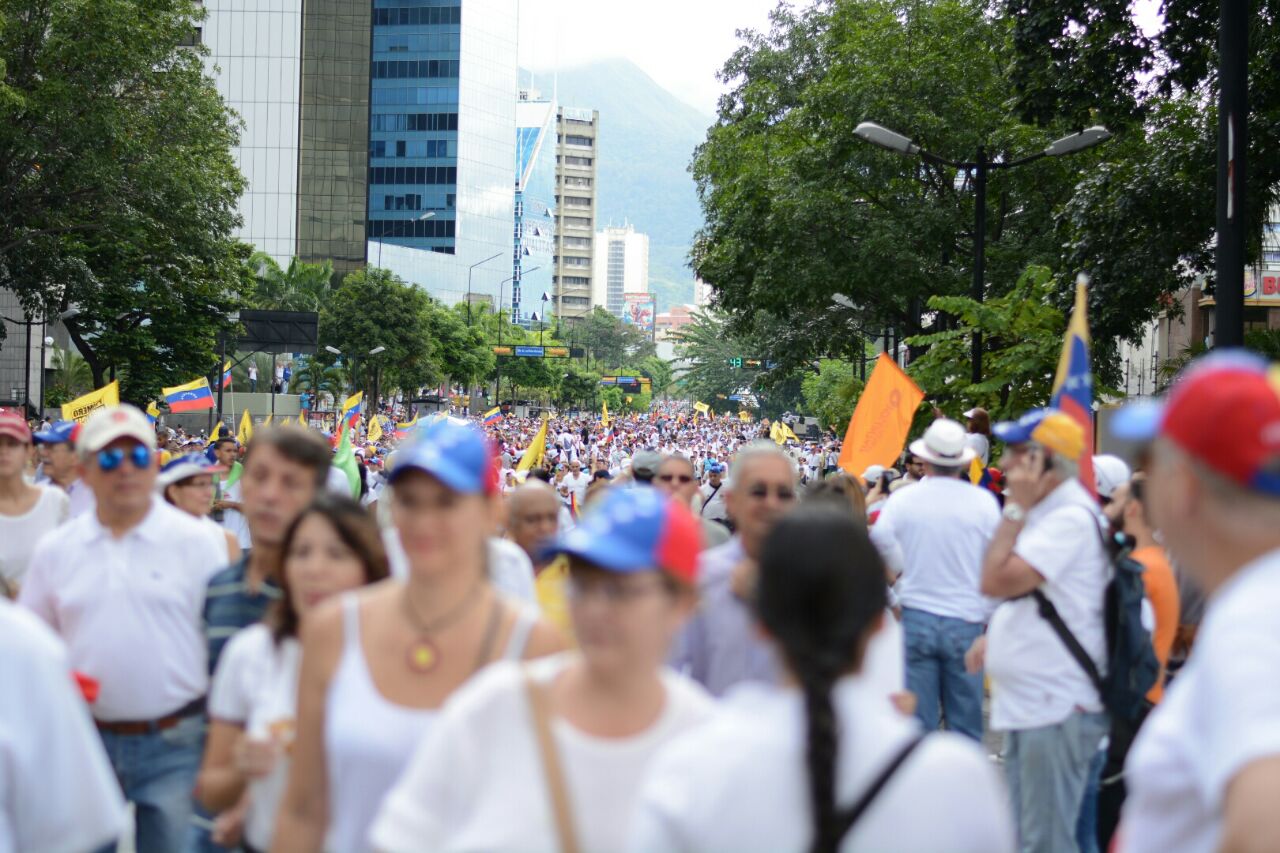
[(1220, 714), (82, 499), (57, 790), (1034, 679), (232, 519), (477, 781), (19, 533), (981, 445), (713, 501), (739, 784), (256, 687), (936, 535), (577, 485), (130, 609)]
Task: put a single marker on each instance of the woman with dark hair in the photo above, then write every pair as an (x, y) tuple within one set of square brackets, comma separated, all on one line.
[(978, 433), (825, 763), (332, 547)]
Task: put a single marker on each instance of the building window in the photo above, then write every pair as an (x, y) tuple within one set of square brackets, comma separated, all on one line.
[(431, 16), (425, 228), (577, 242), (415, 69), (576, 201), (399, 122), (413, 175), (578, 221), (579, 280), (575, 181), (579, 140), (576, 161)]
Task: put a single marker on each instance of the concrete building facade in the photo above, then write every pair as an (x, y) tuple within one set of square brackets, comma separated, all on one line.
[(577, 132)]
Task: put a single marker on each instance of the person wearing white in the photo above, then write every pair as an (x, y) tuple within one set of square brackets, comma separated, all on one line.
[(483, 778), (124, 587), (27, 512), (933, 536), (57, 791), (1205, 768), (577, 480), (1049, 541), (780, 768), (187, 483), (333, 547)]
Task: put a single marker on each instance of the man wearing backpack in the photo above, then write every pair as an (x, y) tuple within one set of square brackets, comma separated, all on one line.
[(1204, 771), (1041, 696)]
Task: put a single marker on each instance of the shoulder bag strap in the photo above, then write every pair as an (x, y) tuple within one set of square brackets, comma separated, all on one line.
[(708, 499), (561, 809), (859, 808), (1050, 614)]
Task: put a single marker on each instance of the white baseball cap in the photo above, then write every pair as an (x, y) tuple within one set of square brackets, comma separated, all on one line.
[(114, 422), (1110, 472)]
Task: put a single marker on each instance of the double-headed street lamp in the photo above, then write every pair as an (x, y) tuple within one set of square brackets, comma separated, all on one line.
[(981, 165), (355, 368), (470, 270)]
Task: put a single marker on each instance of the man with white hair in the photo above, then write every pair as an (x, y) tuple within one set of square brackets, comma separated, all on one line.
[(1204, 770), (933, 536), (1049, 542), (720, 646)]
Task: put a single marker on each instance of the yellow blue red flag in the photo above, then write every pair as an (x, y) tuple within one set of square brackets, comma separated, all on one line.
[(1073, 385)]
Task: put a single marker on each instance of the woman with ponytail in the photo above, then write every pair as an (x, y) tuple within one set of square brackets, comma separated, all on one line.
[(824, 763)]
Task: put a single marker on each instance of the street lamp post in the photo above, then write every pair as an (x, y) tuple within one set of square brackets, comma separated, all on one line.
[(470, 270), (497, 367), (981, 166)]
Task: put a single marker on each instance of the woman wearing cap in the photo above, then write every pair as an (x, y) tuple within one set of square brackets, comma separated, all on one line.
[(785, 768), (549, 756), (378, 665), (187, 483), (332, 547), (27, 512)]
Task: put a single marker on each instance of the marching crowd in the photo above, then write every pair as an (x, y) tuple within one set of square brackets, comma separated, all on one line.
[(655, 633)]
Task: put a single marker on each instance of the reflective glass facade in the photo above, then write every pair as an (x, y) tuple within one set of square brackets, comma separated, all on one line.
[(535, 222), (452, 233), (255, 60), (333, 155)]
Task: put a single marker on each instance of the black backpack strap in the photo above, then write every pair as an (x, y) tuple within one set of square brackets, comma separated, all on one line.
[(1051, 615), (856, 811)]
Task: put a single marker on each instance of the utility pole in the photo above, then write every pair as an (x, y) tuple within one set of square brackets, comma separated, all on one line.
[(1233, 157)]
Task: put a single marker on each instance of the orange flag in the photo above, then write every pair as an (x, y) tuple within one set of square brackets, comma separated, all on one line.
[(880, 423)]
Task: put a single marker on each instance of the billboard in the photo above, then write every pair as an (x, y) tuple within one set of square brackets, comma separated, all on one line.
[(640, 314)]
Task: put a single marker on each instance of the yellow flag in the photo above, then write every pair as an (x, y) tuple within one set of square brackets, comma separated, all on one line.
[(246, 428), (788, 434), (375, 430), (81, 407), (745, 417), (267, 422), (217, 431), (302, 419), (702, 408), (604, 416), (533, 456), (153, 410), (976, 470), (352, 402), (880, 423), (776, 433)]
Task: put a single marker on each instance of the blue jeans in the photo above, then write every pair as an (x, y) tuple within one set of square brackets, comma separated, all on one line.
[(1087, 823), (157, 772), (936, 673), (1048, 769)]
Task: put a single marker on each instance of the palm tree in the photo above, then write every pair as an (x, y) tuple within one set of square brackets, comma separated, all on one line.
[(299, 287), (71, 377), (319, 379)]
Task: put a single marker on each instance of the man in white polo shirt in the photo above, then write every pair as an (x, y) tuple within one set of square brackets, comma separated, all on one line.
[(124, 586), (1041, 697), (934, 536), (1204, 771)]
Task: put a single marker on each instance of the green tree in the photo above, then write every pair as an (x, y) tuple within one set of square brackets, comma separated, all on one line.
[(578, 389), (1024, 332), (118, 186), (609, 340), (299, 287), (659, 373), (831, 393), (71, 378)]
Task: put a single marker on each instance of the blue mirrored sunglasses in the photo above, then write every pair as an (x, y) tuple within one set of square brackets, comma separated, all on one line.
[(110, 460)]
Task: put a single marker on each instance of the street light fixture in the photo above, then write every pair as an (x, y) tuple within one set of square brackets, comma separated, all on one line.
[(981, 165), (333, 350), (470, 270)]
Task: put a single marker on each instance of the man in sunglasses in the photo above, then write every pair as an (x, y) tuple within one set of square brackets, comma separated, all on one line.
[(720, 647), (676, 478), (123, 586)]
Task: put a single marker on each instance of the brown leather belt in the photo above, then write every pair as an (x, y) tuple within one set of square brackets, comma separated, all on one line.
[(146, 727)]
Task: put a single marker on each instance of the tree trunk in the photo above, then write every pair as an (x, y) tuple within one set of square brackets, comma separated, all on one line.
[(96, 367)]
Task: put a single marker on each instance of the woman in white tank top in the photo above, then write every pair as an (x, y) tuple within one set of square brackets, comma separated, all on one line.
[(377, 666)]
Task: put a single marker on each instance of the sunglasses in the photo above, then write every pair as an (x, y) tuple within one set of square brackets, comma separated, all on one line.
[(675, 478), (110, 460)]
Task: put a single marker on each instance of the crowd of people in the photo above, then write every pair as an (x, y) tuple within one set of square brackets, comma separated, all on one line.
[(663, 632)]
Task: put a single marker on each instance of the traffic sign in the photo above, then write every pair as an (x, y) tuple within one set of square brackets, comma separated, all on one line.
[(529, 352)]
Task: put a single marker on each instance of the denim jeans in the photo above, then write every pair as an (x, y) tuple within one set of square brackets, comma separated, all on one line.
[(1048, 769), (1087, 823), (157, 772), (936, 673)]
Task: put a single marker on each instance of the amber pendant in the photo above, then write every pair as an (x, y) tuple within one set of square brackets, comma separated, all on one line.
[(423, 656)]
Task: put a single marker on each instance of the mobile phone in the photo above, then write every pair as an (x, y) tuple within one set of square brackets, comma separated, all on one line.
[(884, 481)]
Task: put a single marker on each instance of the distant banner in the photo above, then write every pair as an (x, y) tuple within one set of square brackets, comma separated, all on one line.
[(640, 315), (81, 407)]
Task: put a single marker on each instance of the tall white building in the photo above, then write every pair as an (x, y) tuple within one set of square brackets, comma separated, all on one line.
[(255, 60), (621, 267)]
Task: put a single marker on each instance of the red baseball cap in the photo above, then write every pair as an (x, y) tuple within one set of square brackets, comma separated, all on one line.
[(15, 426), (1224, 412)]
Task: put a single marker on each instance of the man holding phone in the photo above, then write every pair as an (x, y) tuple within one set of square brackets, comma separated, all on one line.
[(1049, 540)]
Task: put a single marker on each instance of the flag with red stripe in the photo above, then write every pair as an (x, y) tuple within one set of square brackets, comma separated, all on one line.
[(1073, 385)]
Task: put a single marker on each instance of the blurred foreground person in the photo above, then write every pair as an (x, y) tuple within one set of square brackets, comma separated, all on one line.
[(377, 665), (823, 763), (1204, 771), (549, 756)]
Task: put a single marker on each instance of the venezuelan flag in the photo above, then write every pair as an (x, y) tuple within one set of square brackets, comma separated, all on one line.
[(1073, 385), (492, 416), (195, 396), (226, 375)]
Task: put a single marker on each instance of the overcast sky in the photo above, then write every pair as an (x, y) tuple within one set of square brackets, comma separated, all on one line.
[(679, 43)]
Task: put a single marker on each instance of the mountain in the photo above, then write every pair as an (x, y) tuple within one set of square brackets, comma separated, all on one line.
[(645, 143)]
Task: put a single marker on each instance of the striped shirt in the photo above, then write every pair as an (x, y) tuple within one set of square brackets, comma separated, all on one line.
[(229, 605)]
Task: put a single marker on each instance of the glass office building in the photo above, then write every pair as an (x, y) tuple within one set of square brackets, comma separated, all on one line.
[(535, 216), (441, 143)]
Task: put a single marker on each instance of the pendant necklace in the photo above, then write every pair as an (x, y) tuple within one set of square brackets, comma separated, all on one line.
[(424, 654)]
